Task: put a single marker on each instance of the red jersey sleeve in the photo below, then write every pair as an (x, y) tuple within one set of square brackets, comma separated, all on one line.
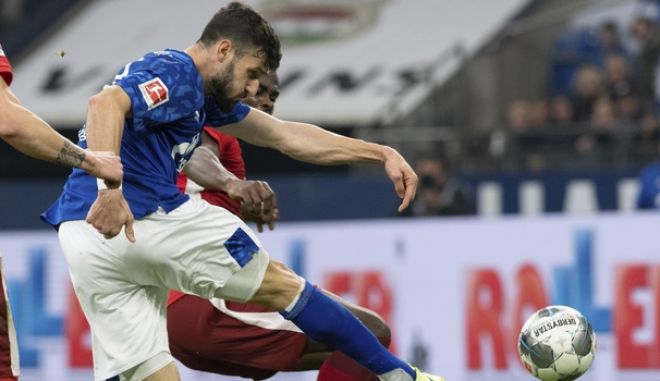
[(5, 68)]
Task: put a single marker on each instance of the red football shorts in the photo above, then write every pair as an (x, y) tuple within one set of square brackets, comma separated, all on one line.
[(205, 338)]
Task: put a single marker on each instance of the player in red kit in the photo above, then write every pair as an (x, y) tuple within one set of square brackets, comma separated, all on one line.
[(29, 134), (239, 339)]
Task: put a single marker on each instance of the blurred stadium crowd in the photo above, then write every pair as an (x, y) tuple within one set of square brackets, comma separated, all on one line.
[(602, 107)]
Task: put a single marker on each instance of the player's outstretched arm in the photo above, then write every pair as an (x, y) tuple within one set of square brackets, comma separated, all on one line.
[(312, 144), (32, 136), (106, 112)]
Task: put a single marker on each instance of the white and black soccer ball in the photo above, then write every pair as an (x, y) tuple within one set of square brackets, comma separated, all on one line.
[(557, 343)]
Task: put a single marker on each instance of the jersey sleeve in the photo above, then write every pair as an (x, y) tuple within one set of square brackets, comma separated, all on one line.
[(162, 89), (5, 68), (216, 117)]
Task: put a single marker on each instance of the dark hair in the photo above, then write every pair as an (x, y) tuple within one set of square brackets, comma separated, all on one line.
[(247, 29)]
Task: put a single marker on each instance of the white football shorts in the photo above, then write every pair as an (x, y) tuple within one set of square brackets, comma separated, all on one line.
[(122, 287)]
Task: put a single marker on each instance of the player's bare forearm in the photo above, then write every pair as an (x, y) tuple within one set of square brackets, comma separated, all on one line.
[(106, 113), (305, 142), (25, 131), (312, 144)]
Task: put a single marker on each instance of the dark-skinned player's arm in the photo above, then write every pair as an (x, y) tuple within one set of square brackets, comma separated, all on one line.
[(312, 144), (258, 201)]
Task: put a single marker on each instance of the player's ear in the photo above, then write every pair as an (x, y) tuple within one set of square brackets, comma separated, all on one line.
[(224, 49)]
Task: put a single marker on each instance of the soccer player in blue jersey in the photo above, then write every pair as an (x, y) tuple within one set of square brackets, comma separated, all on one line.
[(152, 115)]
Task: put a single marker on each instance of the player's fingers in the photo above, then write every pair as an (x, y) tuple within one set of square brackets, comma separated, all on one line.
[(399, 186), (247, 197), (128, 229), (260, 227), (271, 201), (409, 192), (271, 225), (261, 197), (90, 216)]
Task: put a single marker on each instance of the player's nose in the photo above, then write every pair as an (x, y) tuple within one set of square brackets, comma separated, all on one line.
[(252, 87)]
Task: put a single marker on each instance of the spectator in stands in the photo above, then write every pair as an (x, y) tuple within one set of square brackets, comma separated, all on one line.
[(622, 90), (587, 88), (539, 114), (561, 112), (440, 193), (647, 34), (618, 79), (576, 48), (609, 43), (628, 107), (603, 117), (518, 116)]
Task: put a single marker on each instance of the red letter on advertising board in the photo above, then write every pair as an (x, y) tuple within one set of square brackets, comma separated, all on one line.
[(484, 311), (531, 297), (78, 335), (629, 316), (370, 290)]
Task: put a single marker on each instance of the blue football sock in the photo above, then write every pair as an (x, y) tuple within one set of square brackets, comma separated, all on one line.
[(326, 321)]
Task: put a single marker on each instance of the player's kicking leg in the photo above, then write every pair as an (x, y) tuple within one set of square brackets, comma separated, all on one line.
[(308, 308), (336, 366)]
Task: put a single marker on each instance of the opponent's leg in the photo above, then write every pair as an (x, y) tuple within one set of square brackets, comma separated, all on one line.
[(9, 368), (323, 319)]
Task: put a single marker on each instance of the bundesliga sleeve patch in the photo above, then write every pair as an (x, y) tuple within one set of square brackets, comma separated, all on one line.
[(154, 92)]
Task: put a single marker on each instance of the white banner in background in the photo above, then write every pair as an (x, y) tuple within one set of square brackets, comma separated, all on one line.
[(454, 291), (345, 61)]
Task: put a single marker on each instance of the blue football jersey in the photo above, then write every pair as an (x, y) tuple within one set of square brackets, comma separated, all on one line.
[(168, 112)]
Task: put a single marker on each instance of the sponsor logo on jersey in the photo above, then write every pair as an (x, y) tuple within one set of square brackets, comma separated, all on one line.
[(154, 92)]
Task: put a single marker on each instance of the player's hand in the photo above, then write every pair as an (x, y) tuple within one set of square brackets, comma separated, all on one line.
[(105, 165), (260, 216), (402, 175), (110, 213), (257, 196)]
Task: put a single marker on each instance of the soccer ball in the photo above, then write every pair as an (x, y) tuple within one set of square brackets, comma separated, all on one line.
[(557, 344)]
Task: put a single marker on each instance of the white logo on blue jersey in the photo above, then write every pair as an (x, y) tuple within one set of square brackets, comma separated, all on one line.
[(181, 152)]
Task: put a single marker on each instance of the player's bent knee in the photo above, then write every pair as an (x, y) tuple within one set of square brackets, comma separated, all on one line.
[(242, 285), (279, 287)]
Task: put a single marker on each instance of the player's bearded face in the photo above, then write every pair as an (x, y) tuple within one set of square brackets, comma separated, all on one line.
[(222, 90)]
